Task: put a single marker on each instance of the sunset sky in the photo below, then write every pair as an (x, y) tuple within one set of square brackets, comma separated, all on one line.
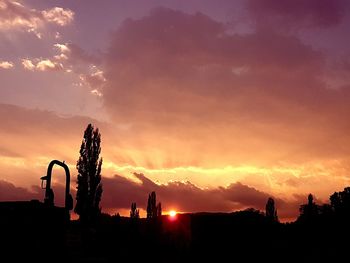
[(215, 105)]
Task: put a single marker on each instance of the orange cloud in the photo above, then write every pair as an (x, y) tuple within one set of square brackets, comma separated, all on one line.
[(41, 65), (196, 95), (32, 138), (28, 64), (16, 16), (199, 109), (47, 64)]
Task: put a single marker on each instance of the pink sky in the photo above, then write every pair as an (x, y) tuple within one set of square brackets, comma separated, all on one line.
[(222, 103)]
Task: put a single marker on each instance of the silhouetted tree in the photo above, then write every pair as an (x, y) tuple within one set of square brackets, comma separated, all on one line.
[(326, 211), (153, 210), (336, 203), (134, 212), (340, 202), (151, 205), (89, 189), (310, 210), (159, 209), (270, 210)]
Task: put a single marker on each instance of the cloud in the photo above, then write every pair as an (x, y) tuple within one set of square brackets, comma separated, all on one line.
[(32, 138), (188, 84), (62, 138), (6, 64), (119, 192), (41, 65), (9, 192), (63, 48), (46, 64), (72, 59), (23, 154), (59, 16), (28, 64), (194, 94), (96, 92), (297, 13), (196, 103), (188, 58), (16, 16)]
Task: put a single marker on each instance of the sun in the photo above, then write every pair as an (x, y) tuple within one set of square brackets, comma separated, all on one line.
[(172, 213)]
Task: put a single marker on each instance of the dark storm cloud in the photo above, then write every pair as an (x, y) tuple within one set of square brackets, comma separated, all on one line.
[(119, 192)]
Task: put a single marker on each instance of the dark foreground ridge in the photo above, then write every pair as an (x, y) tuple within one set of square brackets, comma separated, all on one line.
[(31, 233)]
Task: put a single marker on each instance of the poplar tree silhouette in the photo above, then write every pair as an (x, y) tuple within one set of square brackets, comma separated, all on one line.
[(134, 212), (89, 188), (271, 211), (159, 209), (153, 210)]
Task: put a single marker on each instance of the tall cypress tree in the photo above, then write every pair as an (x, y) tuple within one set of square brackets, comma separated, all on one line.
[(270, 210), (89, 189)]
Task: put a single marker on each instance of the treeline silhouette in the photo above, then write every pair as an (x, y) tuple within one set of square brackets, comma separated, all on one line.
[(319, 234), (37, 231)]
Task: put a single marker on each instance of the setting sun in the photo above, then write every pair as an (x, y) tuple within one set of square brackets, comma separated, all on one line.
[(172, 213)]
